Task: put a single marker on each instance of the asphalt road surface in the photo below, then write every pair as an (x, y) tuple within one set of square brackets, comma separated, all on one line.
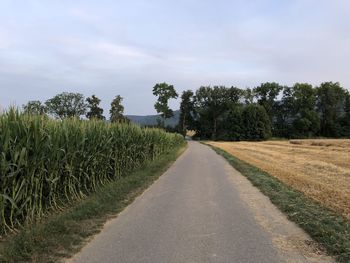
[(201, 210)]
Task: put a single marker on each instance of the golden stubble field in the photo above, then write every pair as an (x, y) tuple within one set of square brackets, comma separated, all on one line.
[(318, 168)]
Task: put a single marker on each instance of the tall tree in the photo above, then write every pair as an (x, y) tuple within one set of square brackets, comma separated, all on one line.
[(331, 99), (256, 123), (285, 114), (210, 105), (95, 112), (267, 94), (186, 111), (117, 110), (344, 121), (66, 105), (34, 107), (248, 95), (164, 92), (307, 121), (231, 127)]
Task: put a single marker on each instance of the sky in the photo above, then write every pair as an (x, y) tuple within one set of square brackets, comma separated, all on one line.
[(112, 47)]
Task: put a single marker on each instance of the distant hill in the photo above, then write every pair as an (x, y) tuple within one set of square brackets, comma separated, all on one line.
[(152, 119)]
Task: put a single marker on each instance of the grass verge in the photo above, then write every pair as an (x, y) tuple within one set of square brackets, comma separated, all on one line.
[(330, 230), (63, 234)]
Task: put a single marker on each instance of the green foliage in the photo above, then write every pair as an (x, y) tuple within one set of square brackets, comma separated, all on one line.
[(266, 94), (164, 92), (46, 163), (296, 115), (34, 107), (256, 123), (65, 232), (331, 104), (210, 104), (95, 112), (66, 105), (307, 121), (231, 125), (186, 111), (222, 113), (344, 121), (249, 95), (117, 110)]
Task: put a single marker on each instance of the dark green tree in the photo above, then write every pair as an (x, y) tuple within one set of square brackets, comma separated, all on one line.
[(331, 100), (345, 119), (117, 110), (186, 111), (164, 92), (210, 105), (285, 114), (306, 120), (94, 111), (248, 95), (256, 123), (266, 95), (66, 105), (34, 107), (233, 96), (230, 125)]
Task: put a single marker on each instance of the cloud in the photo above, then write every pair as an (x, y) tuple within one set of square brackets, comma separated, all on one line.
[(114, 47)]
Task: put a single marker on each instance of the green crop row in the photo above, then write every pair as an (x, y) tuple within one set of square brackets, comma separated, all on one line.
[(46, 163)]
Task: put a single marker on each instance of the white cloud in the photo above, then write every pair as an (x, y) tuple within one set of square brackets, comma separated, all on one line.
[(125, 47)]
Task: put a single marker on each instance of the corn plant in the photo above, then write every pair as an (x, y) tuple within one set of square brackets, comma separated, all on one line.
[(46, 164)]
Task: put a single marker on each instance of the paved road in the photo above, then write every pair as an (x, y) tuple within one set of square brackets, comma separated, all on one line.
[(193, 213)]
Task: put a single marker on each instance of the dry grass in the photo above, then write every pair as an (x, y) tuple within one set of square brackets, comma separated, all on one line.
[(318, 168)]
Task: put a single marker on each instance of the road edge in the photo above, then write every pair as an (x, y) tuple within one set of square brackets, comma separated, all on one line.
[(330, 230), (63, 234)]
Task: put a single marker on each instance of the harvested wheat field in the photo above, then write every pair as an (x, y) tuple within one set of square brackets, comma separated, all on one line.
[(318, 168)]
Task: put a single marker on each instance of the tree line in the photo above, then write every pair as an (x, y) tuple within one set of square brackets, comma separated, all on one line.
[(68, 105), (299, 111), (229, 113)]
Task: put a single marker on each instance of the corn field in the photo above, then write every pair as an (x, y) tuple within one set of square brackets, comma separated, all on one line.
[(45, 163)]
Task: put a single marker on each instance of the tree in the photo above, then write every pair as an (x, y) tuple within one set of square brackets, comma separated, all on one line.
[(256, 123), (230, 127), (345, 119), (117, 110), (34, 107), (248, 95), (210, 105), (331, 100), (66, 105), (267, 94), (95, 112), (307, 121), (164, 92), (285, 114), (186, 111)]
